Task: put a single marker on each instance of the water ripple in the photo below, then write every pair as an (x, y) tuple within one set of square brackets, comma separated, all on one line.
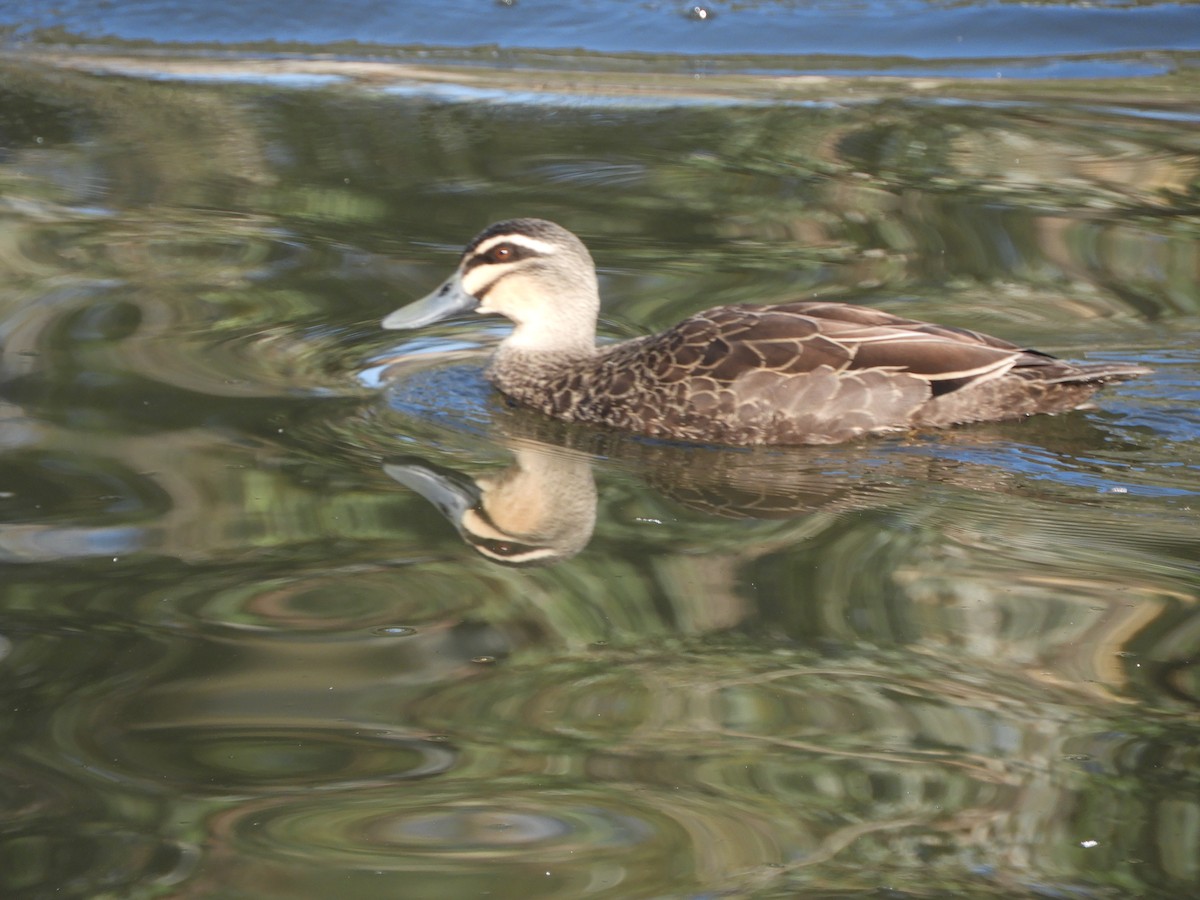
[(556, 838), (258, 759)]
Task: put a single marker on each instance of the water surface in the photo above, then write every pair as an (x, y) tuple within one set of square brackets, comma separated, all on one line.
[(252, 646)]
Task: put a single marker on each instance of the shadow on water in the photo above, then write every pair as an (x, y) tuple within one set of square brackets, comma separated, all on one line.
[(255, 640)]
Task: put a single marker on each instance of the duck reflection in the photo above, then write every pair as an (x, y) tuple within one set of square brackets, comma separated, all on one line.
[(540, 510)]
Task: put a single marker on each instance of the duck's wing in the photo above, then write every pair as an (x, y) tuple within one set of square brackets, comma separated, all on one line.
[(949, 358), (824, 372), (729, 343)]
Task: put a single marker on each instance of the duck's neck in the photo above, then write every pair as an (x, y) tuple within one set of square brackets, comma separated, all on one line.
[(553, 336), (528, 376), (547, 343), (542, 362), (571, 329)]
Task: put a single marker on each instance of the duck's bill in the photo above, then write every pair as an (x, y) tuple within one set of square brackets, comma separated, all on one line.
[(448, 300), (453, 494)]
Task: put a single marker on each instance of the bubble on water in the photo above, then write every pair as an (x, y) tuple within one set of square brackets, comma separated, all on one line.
[(699, 13), (393, 631)]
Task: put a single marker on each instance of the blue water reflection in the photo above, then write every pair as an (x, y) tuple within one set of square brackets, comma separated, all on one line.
[(902, 32)]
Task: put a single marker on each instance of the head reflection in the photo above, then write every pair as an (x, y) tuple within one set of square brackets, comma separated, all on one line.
[(537, 512)]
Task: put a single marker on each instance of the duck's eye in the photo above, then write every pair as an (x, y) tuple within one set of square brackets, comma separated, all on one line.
[(503, 253)]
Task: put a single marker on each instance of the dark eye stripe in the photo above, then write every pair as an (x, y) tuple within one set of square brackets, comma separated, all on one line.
[(483, 291), (505, 549), (498, 546), (515, 253)]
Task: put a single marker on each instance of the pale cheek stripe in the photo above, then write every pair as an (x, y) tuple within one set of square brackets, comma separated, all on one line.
[(485, 286)]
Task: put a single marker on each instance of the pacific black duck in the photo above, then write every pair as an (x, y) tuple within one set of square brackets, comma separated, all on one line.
[(793, 373)]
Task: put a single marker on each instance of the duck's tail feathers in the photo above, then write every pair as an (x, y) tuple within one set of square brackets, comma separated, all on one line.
[(1100, 373)]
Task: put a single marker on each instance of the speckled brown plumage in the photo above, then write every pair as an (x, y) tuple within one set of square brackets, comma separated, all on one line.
[(797, 373)]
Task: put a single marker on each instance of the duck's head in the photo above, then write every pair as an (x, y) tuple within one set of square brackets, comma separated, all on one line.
[(534, 272)]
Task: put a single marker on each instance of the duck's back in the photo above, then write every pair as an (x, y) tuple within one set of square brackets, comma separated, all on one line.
[(804, 373)]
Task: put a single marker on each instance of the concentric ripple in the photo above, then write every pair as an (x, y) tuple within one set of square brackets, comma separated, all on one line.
[(566, 839), (256, 759)]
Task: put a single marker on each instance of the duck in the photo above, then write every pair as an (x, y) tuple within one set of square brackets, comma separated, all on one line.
[(802, 372)]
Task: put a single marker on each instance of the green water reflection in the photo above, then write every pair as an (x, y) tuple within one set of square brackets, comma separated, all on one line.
[(251, 649)]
